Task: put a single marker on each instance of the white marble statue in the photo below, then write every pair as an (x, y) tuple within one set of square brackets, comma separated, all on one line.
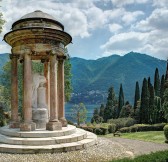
[(37, 81)]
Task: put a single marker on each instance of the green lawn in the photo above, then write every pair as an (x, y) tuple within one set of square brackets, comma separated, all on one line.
[(152, 136), (160, 156)]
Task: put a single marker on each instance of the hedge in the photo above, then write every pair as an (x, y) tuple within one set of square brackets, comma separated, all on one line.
[(166, 133), (143, 128)]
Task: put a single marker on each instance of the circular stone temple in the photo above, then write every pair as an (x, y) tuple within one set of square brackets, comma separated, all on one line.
[(37, 36)]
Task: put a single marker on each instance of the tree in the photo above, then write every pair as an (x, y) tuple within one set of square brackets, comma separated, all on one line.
[(162, 88), (137, 95), (126, 110), (2, 21), (165, 104), (67, 77), (79, 113), (144, 108), (151, 117), (101, 112), (157, 83), (120, 100), (149, 82), (109, 111), (96, 118)]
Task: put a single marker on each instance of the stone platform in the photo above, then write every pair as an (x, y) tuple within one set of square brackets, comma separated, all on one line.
[(69, 138)]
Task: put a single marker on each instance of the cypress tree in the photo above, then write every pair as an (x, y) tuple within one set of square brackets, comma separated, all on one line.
[(120, 100), (162, 88), (137, 95), (101, 112), (111, 101), (151, 105), (149, 82), (157, 83), (144, 108)]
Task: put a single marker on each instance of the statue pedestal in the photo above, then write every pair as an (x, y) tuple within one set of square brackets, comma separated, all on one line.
[(40, 117)]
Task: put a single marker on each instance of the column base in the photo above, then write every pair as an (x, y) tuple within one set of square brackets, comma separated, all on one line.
[(14, 124), (63, 122), (53, 125), (27, 126)]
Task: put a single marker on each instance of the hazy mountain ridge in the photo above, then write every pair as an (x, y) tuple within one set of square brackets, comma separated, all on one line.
[(100, 74)]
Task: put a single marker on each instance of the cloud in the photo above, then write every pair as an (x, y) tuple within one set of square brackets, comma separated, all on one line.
[(130, 17), (153, 43), (120, 3), (124, 42), (114, 27), (70, 14), (160, 3), (157, 20)]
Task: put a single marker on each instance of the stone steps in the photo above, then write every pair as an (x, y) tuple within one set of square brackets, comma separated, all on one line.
[(90, 140), (77, 136), (39, 133), (69, 138)]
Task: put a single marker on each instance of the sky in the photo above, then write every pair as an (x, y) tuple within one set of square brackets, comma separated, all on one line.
[(100, 28)]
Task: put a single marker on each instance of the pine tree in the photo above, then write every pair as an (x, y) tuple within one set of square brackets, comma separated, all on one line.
[(137, 95), (157, 83), (120, 100), (162, 88), (144, 108), (111, 101)]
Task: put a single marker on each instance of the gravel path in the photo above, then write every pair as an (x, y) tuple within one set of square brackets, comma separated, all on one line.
[(106, 149), (139, 147)]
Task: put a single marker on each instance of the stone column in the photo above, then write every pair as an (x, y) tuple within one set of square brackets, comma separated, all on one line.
[(53, 123), (46, 76), (14, 92), (27, 124), (61, 94)]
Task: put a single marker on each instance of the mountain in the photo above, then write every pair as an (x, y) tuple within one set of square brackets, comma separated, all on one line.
[(98, 75), (92, 78)]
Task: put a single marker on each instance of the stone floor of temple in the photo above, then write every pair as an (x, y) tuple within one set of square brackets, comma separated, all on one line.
[(69, 138)]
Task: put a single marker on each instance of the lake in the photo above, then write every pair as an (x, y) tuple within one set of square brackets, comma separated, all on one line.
[(90, 109)]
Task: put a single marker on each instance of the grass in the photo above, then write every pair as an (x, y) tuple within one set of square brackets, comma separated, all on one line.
[(151, 136), (160, 156)]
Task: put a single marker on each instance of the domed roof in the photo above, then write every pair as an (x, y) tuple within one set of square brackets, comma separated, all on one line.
[(37, 14)]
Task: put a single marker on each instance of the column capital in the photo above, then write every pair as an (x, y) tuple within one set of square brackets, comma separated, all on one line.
[(11, 56), (44, 60), (61, 57)]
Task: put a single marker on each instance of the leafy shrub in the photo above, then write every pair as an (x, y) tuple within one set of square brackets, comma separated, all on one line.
[(104, 131), (3, 123), (90, 129), (122, 122), (125, 130), (143, 128), (159, 126), (146, 127), (112, 128), (166, 132), (133, 128), (98, 131)]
